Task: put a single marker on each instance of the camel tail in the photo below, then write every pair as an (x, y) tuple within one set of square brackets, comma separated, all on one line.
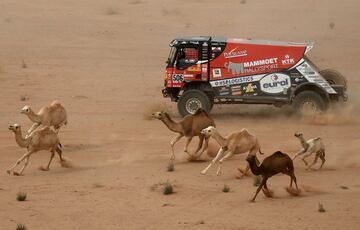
[(58, 148)]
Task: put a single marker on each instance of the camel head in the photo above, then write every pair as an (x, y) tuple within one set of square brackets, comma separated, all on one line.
[(298, 135), (26, 109), (15, 128), (251, 158), (208, 131), (158, 115)]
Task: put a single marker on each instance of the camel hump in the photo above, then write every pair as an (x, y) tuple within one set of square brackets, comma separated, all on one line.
[(200, 111), (245, 131)]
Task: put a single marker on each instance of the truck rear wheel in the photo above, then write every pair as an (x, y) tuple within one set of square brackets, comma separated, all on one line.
[(308, 101), (334, 77), (191, 100)]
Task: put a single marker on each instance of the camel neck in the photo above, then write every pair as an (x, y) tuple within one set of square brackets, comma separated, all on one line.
[(303, 142), (34, 117), (173, 126), (22, 142), (221, 140), (255, 169)]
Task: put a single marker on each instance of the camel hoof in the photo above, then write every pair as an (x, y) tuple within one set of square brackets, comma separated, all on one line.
[(292, 191), (268, 193), (252, 201), (218, 173), (203, 172), (16, 174), (43, 169)]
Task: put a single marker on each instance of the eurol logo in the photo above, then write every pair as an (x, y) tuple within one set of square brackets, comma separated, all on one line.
[(235, 53), (275, 83)]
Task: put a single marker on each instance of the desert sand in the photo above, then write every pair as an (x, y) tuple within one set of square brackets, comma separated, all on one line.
[(104, 60)]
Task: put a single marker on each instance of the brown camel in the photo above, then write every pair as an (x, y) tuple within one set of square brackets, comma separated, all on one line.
[(235, 143), (190, 126), (51, 115), (41, 139), (276, 163)]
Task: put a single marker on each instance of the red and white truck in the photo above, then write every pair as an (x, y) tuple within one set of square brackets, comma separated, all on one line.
[(203, 71)]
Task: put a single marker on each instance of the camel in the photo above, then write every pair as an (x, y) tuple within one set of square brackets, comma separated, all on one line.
[(235, 143), (41, 139), (314, 145), (276, 163), (51, 115), (190, 126)]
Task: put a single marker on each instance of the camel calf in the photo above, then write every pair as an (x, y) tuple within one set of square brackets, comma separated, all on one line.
[(235, 143)]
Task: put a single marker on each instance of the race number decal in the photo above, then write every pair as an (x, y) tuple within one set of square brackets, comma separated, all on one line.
[(177, 78)]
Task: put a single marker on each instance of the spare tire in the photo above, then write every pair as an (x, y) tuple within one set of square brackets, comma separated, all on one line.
[(334, 77)]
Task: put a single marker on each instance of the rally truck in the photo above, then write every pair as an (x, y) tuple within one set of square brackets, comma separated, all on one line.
[(203, 71)]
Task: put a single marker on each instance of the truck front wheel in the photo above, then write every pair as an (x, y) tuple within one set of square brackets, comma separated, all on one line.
[(191, 100), (308, 101)]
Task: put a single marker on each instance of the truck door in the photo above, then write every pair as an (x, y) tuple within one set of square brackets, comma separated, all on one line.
[(186, 65)]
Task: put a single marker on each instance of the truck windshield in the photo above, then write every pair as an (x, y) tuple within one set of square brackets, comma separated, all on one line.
[(171, 58)]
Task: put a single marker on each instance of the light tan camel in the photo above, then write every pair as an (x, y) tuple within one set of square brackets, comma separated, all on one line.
[(50, 115), (190, 126), (314, 145), (235, 143), (41, 139)]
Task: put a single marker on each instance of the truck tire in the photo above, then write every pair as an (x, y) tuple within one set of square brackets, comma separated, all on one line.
[(334, 77), (308, 101), (191, 100)]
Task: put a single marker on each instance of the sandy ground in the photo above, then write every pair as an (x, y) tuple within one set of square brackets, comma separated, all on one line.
[(105, 61)]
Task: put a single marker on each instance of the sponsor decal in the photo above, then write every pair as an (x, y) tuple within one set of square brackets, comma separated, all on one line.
[(287, 60), (236, 90), (235, 68), (275, 83), (217, 73), (194, 68), (232, 81), (204, 69), (177, 78), (188, 76), (250, 88), (312, 76), (251, 66), (235, 53), (224, 91), (267, 61)]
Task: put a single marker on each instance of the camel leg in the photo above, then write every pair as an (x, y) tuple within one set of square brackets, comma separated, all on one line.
[(306, 156), (59, 151), (322, 157), (263, 182), (205, 147), (19, 161), (24, 166), (229, 154), (302, 151), (201, 141), (188, 140), (33, 127), (176, 139), (315, 161), (218, 155), (244, 172), (48, 165)]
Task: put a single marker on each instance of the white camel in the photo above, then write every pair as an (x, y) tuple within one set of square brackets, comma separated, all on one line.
[(314, 145), (50, 115), (235, 143), (41, 139)]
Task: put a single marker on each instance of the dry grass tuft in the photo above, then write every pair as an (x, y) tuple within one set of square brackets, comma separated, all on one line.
[(112, 11), (226, 188), (332, 25), (97, 185), (21, 227), (21, 196)]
